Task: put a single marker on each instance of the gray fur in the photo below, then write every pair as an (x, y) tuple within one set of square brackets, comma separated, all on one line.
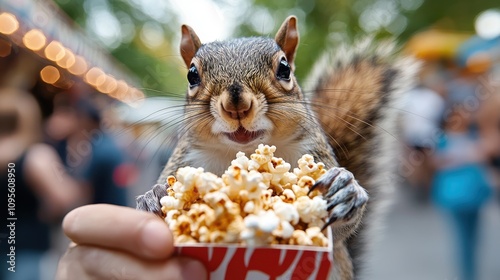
[(247, 62)]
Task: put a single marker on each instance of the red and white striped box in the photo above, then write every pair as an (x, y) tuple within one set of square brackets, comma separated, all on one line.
[(280, 262)]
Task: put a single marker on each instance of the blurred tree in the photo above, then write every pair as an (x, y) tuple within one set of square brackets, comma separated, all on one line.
[(331, 22), (323, 23), (137, 36)]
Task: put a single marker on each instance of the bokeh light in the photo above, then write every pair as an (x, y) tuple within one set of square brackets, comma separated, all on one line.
[(55, 51), (50, 74), (488, 24), (34, 40), (8, 23)]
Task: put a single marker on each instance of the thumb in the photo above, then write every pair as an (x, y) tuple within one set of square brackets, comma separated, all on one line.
[(120, 228)]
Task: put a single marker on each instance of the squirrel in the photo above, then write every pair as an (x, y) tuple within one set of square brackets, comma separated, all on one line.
[(243, 92)]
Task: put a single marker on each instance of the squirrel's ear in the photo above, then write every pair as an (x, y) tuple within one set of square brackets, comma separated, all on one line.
[(288, 38), (190, 43)]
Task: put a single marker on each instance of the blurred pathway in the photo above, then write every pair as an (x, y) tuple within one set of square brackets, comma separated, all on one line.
[(417, 243)]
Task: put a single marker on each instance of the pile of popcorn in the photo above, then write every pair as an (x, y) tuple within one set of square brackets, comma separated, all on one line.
[(257, 201)]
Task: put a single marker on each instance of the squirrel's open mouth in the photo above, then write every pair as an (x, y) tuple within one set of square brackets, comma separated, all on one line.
[(244, 136)]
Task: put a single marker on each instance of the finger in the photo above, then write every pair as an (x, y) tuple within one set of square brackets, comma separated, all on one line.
[(84, 262), (115, 227)]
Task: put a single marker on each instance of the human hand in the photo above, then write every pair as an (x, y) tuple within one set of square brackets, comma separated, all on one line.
[(114, 242)]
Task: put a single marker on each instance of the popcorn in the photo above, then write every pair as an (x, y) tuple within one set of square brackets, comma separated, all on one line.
[(317, 238), (311, 210), (285, 230), (208, 182), (172, 216), (249, 207), (299, 237), (184, 238), (217, 236), (257, 201), (170, 203), (239, 179), (286, 212), (266, 198), (300, 191), (201, 215), (307, 167), (306, 182), (288, 180), (263, 155), (240, 160), (171, 180), (311, 236), (288, 196), (181, 226), (259, 228)]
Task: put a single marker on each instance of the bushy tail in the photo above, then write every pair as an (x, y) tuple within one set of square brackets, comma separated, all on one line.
[(355, 100)]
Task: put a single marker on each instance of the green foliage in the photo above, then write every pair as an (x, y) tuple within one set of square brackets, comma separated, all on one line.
[(323, 24)]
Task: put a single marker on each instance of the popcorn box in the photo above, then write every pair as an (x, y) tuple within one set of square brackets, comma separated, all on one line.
[(231, 261)]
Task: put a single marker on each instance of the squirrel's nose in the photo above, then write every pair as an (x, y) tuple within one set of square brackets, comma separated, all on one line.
[(236, 111), (235, 103)]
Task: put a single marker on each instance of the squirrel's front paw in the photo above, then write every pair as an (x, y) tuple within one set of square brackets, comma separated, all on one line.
[(346, 198), (150, 201)]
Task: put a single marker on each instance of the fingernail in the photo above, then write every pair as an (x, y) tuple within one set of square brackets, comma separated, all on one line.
[(156, 239), (193, 269)]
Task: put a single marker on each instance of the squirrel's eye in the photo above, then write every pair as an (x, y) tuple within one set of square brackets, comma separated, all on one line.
[(193, 76), (284, 70)]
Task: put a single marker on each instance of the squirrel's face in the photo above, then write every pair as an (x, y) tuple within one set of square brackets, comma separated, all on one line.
[(243, 92)]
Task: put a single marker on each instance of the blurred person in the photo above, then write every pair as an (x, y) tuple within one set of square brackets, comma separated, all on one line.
[(422, 112), (489, 126), (88, 151), (39, 193), (461, 183), (137, 245)]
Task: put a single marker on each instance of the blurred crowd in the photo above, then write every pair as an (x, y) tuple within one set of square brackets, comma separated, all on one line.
[(78, 153), (451, 127)]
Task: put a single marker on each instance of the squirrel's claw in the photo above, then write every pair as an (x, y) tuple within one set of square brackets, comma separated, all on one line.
[(345, 197), (150, 201)]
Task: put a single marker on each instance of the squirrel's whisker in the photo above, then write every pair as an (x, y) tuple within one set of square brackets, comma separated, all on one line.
[(311, 123)]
